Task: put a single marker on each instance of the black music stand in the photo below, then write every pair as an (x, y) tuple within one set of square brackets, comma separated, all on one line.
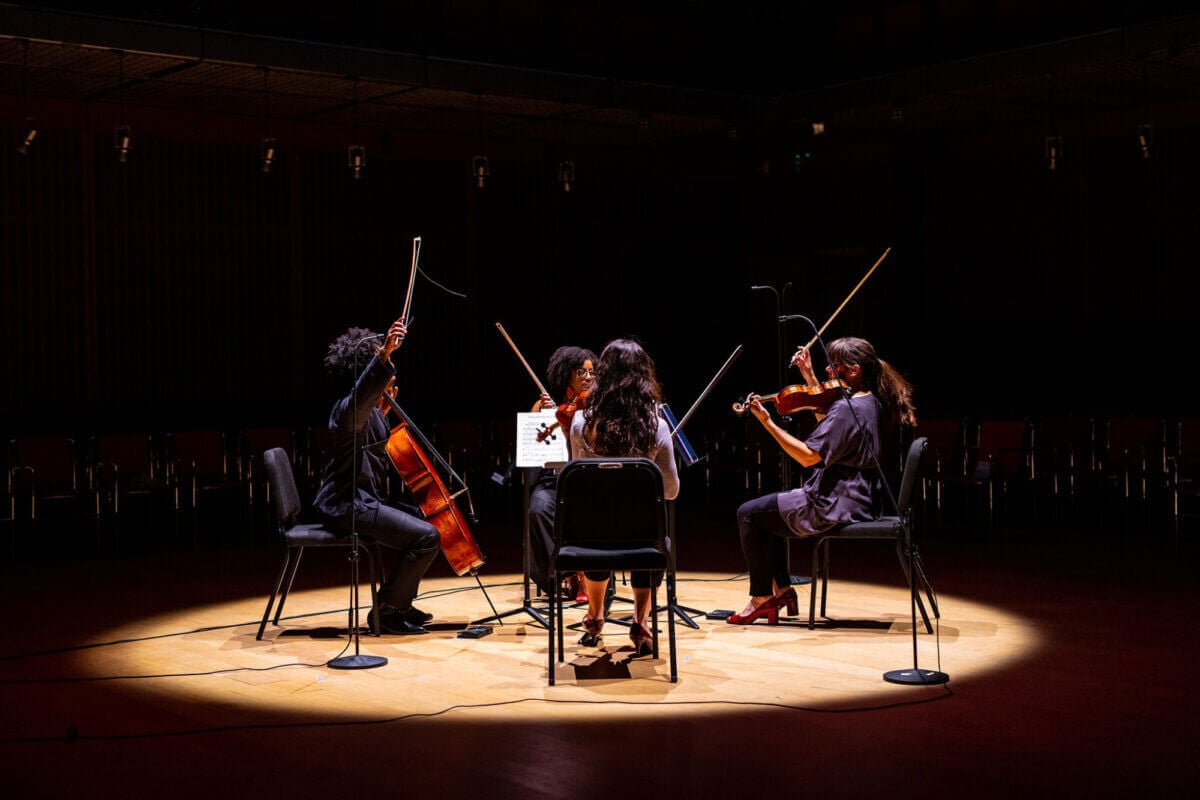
[(527, 606)]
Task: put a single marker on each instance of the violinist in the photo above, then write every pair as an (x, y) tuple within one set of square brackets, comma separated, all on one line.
[(622, 419), (354, 497), (842, 485), (569, 376)]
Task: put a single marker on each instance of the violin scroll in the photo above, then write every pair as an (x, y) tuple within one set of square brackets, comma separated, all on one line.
[(792, 399)]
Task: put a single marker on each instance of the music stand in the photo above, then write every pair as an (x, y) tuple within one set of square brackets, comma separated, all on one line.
[(527, 606)]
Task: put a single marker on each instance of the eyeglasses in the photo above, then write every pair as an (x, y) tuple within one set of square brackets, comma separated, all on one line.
[(585, 373)]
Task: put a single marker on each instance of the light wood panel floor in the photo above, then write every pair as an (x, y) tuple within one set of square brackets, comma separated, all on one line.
[(1071, 668)]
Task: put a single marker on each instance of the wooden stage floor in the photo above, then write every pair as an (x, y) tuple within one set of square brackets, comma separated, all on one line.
[(1072, 665)]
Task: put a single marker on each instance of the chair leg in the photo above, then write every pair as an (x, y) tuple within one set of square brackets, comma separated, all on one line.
[(287, 586), (900, 554), (374, 556), (824, 548), (287, 556), (554, 609), (814, 587), (654, 622), (671, 601)]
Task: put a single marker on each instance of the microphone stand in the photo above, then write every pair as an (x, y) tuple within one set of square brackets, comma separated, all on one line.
[(356, 661), (914, 676), (785, 461)]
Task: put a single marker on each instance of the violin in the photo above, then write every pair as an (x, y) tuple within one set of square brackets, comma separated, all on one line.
[(792, 399), (564, 414)]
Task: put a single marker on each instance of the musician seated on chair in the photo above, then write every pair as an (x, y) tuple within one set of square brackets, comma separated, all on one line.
[(351, 501), (621, 419), (843, 484), (569, 376)]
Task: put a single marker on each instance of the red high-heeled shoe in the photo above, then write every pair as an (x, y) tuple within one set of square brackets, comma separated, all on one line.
[(789, 599), (769, 609), (642, 639)]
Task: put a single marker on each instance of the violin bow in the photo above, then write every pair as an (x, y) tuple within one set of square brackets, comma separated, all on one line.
[(838, 310), (724, 368), (528, 369)]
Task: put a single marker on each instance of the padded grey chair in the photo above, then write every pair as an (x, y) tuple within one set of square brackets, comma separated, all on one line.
[(297, 536), (896, 528), (611, 515)]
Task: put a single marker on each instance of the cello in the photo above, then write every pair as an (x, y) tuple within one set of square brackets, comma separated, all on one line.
[(409, 452)]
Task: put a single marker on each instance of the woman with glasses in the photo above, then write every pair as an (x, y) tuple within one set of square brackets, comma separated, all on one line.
[(621, 420), (842, 485), (569, 376)]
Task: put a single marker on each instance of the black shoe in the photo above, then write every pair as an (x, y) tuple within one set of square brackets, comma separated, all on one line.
[(415, 615), (393, 622)]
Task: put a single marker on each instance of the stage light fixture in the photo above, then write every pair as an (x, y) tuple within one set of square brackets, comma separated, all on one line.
[(1145, 137), (566, 174), (30, 134), (267, 150), (122, 134), (818, 129), (123, 142), (357, 161), (268, 155), (1053, 152), (30, 129), (481, 170)]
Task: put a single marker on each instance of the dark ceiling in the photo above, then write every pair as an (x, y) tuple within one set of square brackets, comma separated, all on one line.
[(609, 74)]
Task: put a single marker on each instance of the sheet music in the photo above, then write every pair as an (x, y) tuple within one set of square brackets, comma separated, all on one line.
[(531, 452)]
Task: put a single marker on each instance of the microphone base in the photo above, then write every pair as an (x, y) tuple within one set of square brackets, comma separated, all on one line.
[(916, 677), (356, 662)]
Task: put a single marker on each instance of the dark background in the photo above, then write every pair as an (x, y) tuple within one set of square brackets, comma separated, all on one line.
[(186, 289)]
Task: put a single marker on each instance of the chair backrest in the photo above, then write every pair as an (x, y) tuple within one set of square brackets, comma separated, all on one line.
[(908, 478), (284, 494), (611, 504)]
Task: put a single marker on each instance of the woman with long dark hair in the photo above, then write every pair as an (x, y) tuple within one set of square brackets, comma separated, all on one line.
[(622, 419)]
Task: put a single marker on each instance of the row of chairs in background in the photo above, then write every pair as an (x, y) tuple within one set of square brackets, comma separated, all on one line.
[(1018, 472), (140, 485), (1126, 474), (209, 485), (1052, 470)]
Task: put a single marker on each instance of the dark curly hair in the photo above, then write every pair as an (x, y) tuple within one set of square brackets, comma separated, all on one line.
[(354, 347), (563, 363), (621, 417)]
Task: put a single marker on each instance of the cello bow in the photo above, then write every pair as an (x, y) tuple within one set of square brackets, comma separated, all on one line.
[(412, 277)]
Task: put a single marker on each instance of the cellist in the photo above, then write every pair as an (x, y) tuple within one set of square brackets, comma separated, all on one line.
[(351, 498), (842, 484)]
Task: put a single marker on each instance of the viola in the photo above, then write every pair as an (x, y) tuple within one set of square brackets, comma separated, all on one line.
[(792, 399)]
